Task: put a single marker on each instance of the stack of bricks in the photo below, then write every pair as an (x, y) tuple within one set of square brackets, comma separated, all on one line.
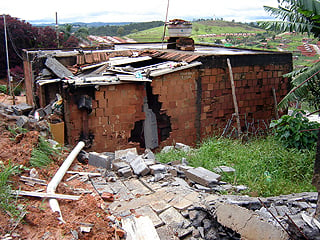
[(177, 93), (253, 87), (115, 110)]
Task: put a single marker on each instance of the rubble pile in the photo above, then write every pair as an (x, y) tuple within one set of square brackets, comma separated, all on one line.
[(181, 203), (122, 188)]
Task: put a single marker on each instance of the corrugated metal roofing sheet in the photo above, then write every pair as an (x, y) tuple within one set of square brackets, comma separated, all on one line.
[(171, 55)]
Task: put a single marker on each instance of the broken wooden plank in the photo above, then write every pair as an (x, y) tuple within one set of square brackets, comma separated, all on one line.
[(234, 97), (57, 68), (45, 195), (139, 228)]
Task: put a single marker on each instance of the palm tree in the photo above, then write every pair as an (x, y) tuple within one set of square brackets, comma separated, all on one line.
[(301, 16)]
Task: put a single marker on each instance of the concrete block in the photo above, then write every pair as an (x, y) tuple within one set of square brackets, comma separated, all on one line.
[(149, 162), (158, 168), (224, 169), (167, 149), (122, 154), (203, 176), (139, 167), (21, 109), (118, 165), (182, 147), (148, 154), (99, 160), (22, 122), (125, 172)]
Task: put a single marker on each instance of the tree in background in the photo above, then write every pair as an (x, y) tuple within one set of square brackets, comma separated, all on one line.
[(22, 35), (301, 16)]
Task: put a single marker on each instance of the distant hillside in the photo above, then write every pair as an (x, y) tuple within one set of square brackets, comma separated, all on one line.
[(82, 24), (113, 30), (199, 29)]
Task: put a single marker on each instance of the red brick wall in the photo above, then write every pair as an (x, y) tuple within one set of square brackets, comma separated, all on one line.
[(115, 110), (177, 93), (253, 91)]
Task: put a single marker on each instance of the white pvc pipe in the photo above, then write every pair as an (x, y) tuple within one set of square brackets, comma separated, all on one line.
[(52, 186)]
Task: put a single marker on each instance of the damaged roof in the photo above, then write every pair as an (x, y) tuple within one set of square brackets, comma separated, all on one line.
[(113, 66), (116, 70)]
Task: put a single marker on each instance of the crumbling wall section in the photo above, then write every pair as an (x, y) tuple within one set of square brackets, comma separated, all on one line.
[(115, 109), (177, 93), (254, 78)]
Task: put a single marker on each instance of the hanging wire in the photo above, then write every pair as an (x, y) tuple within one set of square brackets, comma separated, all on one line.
[(13, 45)]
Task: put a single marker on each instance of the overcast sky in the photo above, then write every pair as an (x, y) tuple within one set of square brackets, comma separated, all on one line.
[(40, 11)]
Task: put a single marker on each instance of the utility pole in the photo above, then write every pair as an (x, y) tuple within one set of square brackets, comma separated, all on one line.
[(57, 29), (9, 88)]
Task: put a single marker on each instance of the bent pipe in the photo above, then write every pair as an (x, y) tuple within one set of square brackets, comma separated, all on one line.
[(52, 186)]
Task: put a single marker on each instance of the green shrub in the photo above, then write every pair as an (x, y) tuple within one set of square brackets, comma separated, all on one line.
[(17, 90), (296, 131)]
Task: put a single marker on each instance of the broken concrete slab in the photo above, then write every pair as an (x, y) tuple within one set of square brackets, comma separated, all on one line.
[(203, 176), (173, 219), (159, 206), (247, 223), (103, 189), (139, 228), (136, 187), (120, 190), (139, 167), (99, 160), (147, 211), (166, 233), (181, 203)]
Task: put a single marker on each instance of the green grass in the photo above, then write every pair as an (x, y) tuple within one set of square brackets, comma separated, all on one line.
[(42, 155), (8, 202), (264, 165)]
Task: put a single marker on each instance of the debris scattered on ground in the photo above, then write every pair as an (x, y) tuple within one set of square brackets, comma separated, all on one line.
[(118, 192)]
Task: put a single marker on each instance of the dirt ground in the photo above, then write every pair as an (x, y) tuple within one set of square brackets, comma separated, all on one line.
[(39, 221)]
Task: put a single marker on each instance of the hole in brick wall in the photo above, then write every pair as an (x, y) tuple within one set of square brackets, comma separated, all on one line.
[(137, 134), (163, 120)]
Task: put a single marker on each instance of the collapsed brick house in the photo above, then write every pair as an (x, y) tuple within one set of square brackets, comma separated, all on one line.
[(145, 96)]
